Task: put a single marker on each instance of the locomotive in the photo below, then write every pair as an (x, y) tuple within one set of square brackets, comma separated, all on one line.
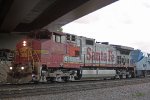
[(6, 55), (54, 56), (142, 62)]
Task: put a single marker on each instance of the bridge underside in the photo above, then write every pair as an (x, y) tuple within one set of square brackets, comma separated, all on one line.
[(27, 15)]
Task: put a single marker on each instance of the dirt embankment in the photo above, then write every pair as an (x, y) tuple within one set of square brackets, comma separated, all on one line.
[(4, 68)]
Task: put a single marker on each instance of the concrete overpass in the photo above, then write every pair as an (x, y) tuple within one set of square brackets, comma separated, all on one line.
[(22, 16)]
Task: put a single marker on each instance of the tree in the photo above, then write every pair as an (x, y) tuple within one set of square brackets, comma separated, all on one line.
[(60, 29)]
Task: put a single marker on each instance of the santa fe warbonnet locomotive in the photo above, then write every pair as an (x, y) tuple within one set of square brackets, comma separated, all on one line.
[(53, 56)]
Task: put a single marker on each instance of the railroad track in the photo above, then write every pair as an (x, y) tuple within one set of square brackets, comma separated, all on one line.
[(13, 91)]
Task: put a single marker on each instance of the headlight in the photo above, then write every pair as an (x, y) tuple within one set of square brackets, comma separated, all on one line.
[(22, 68), (24, 43), (10, 68)]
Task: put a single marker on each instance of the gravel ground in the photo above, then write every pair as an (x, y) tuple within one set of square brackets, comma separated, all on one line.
[(3, 71), (129, 92)]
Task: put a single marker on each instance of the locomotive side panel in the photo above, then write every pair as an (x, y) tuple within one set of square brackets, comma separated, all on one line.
[(72, 57), (95, 54), (52, 54), (123, 56)]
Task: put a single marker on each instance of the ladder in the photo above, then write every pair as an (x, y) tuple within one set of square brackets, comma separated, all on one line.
[(33, 55)]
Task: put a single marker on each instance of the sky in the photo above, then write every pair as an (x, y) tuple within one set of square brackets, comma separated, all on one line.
[(125, 22)]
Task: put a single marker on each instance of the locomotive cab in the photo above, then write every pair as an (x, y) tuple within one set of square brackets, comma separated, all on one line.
[(40, 57)]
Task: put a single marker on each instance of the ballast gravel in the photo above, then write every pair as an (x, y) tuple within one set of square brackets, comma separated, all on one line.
[(129, 92)]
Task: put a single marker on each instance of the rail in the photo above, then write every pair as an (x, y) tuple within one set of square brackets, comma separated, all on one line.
[(68, 87)]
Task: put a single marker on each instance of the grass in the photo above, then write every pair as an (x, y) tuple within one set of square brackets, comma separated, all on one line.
[(138, 94)]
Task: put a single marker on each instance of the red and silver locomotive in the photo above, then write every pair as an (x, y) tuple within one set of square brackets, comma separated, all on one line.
[(53, 56)]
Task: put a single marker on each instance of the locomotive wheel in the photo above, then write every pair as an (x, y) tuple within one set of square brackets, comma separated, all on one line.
[(129, 76), (78, 77), (66, 79), (50, 79)]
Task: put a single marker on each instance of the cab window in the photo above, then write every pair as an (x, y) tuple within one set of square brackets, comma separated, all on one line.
[(89, 42), (57, 38)]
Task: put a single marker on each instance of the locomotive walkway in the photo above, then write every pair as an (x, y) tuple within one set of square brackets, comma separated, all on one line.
[(14, 91)]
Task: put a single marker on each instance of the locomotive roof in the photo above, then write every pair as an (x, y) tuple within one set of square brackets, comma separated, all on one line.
[(120, 47), (43, 31)]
